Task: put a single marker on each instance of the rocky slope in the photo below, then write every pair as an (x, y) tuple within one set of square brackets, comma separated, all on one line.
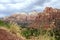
[(5, 35), (50, 17)]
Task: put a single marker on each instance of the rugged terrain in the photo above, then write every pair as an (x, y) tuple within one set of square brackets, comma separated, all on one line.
[(5, 35), (45, 25)]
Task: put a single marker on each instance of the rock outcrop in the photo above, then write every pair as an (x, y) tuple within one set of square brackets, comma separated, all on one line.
[(47, 18), (5, 35)]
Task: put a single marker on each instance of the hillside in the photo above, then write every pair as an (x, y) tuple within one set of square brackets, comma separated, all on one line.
[(43, 25), (47, 17), (5, 35)]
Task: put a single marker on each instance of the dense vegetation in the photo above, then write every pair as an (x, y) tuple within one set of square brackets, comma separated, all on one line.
[(28, 33)]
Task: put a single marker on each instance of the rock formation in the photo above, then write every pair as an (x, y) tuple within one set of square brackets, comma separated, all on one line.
[(5, 35), (47, 18)]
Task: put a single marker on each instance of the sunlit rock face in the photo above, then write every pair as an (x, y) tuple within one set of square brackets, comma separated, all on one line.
[(52, 11), (46, 18)]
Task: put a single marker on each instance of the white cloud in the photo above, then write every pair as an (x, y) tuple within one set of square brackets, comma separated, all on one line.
[(31, 1), (52, 3), (19, 0), (56, 4), (5, 1), (37, 7), (17, 6), (2, 7), (26, 5), (22, 5)]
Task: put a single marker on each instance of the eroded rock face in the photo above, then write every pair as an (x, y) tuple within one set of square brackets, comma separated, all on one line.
[(4, 35), (46, 18)]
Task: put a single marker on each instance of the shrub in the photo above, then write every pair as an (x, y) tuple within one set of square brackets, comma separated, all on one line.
[(14, 27), (3, 24), (27, 32)]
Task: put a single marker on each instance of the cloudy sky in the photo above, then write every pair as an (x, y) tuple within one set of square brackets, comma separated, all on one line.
[(8, 7)]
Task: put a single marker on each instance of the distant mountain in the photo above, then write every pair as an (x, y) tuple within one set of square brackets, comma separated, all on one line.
[(21, 18)]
